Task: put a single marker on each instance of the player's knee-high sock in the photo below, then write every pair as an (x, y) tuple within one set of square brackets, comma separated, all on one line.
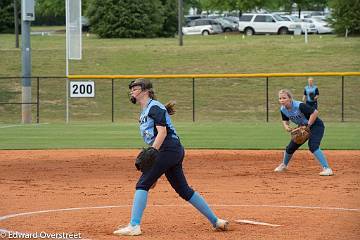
[(138, 207), (200, 204), (321, 157), (287, 158)]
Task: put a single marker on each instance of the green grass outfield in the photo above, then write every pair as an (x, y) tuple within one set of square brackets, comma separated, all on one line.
[(230, 100), (193, 135), (211, 54)]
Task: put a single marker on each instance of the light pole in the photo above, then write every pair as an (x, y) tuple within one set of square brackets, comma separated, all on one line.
[(27, 15), (180, 20), (16, 22)]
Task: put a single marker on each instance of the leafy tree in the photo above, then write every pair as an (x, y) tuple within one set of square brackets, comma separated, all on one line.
[(126, 18), (52, 12), (250, 5), (284, 5), (232, 5), (192, 4), (310, 5), (55, 7), (50, 8), (7, 15), (247, 5), (170, 18), (345, 15)]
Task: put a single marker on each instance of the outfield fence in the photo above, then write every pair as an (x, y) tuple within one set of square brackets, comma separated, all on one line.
[(200, 97)]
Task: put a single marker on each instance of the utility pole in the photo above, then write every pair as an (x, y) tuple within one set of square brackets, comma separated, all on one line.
[(27, 15), (16, 21), (180, 20)]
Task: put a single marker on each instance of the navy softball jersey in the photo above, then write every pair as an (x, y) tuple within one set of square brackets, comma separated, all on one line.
[(311, 89), (314, 91), (171, 152), (153, 115), (300, 114)]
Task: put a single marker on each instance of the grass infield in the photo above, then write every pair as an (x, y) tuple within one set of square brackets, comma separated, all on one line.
[(193, 135)]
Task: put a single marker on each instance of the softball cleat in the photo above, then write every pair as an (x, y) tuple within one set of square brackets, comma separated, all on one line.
[(221, 225), (326, 172), (129, 230), (281, 168)]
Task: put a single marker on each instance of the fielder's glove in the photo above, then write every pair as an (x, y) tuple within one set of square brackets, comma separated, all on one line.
[(146, 159), (300, 134)]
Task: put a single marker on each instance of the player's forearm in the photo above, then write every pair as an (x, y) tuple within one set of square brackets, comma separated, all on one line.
[(304, 97), (160, 137), (287, 126), (313, 117)]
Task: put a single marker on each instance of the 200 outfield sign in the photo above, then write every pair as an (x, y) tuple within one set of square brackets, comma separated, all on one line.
[(82, 89)]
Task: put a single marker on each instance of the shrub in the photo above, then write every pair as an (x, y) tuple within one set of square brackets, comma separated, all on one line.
[(126, 18), (345, 15)]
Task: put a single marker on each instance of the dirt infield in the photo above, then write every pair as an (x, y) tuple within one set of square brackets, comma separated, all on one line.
[(92, 192)]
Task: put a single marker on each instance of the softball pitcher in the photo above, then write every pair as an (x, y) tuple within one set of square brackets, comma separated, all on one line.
[(302, 114), (157, 131)]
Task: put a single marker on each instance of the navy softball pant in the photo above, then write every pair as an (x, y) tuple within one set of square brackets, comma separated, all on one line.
[(317, 133), (169, 162)]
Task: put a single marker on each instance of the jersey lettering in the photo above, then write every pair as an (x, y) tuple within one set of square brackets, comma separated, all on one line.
[(294, 114)]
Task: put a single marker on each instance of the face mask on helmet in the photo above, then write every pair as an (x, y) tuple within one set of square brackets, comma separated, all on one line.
[(133, 100), (134, 84), (144, 84)]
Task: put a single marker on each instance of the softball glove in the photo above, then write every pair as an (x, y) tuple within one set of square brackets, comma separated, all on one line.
[(146, 159), (300, 134)]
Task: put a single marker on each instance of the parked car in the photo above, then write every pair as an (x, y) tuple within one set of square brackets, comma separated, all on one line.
[(309, 27), (320, 25), (189, 18), (227, 26), (321, 18), (204, 26), (253, 23), (232, 19)]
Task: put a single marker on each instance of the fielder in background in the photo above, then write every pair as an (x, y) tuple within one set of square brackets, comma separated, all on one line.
[(311, 94), (159, 133), (304, 115)]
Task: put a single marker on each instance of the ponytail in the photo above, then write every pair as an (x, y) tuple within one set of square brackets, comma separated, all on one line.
[(170, 107)]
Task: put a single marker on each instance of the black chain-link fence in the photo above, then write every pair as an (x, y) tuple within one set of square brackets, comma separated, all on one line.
[(198, 99)]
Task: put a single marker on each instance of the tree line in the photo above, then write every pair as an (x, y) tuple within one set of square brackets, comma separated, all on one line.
[(158, 18)]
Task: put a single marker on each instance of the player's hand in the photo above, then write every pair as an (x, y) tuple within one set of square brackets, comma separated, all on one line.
[(288, 129)]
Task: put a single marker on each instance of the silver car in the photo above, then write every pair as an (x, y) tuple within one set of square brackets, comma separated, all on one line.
[(309, 27), (203, 26), (320, 25), (228, 26)]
